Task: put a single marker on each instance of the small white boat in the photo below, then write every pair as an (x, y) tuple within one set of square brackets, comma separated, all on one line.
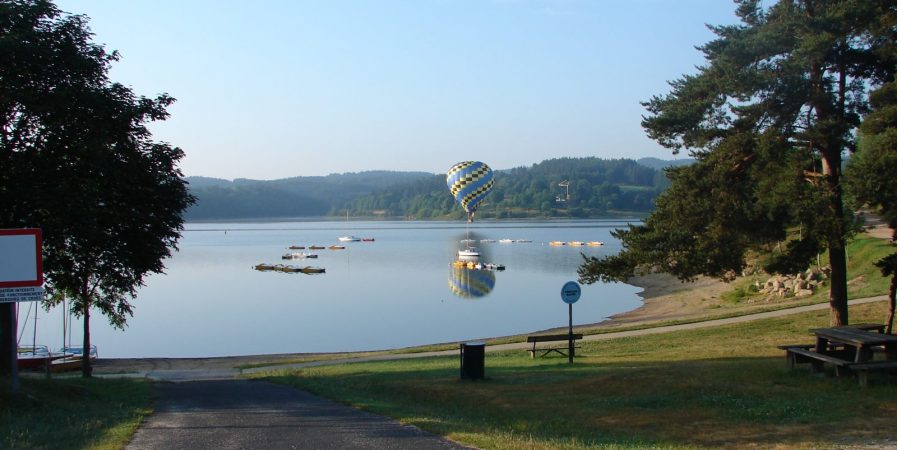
[(469, 253), (595, 243), (505, 241), (487, 241), (349, 238), (523, 241)]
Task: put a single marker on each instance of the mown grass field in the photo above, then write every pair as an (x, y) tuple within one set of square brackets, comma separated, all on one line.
[(724, 387), (72, 413)]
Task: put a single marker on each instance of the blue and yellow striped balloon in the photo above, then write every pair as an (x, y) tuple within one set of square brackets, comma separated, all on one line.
[(469, 182)]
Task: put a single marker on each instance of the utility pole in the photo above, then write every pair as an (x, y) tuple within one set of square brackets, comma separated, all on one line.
[(566, 185)]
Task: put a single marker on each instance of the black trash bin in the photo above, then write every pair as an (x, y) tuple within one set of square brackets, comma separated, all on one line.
[(473, 356)]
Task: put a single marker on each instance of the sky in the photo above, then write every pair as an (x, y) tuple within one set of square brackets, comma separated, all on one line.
[(273, 89)]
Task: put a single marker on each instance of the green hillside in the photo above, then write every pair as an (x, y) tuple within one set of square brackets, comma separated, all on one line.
[(596, 187)]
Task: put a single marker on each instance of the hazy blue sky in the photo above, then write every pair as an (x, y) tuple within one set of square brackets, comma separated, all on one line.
[(272, 89)]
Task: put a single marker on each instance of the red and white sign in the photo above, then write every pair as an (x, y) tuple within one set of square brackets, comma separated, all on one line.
[(21, 265)]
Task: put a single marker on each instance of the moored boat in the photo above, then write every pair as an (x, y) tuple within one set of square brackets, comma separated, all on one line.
[(557, 243), (337, 247), (506, 241), (264, 267), (316, 247), (349, 238), (576, 243), (367, 239), (595, 243), (296, 247), (470, 252), (298, 255)]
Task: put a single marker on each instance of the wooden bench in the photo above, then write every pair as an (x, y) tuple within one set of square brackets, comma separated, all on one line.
[(550, 338), (862, 369), (799, 354)]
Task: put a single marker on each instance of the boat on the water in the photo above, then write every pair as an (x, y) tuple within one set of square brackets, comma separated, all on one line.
[(576, 243), (470, 252), (523, 241), (264, 266), (296, 247), (349, 238), (337, 247), (557, 243), (367, 239), (316, 247), (487, 241), (300, 255), (505, 241), (594, 243)]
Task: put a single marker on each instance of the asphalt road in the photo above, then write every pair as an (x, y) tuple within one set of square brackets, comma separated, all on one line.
[(252, 414)]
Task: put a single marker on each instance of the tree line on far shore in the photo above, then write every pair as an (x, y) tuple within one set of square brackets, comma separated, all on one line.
[(597, 187)]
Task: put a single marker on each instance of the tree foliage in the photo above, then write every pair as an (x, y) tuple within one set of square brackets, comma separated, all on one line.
[(871, 173), (313, 196), (768, 119), (79, 163)]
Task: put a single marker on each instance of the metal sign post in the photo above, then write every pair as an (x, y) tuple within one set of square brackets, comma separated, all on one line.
[(570, 294)]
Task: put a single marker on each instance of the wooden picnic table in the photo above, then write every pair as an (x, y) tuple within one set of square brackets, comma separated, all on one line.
[(860, 341), (850, 349)]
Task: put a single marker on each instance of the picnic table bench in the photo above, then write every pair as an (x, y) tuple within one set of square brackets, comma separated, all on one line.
[(550, 338), (850, 349)]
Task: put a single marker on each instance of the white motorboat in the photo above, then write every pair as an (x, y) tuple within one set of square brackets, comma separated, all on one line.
[(468, 253)]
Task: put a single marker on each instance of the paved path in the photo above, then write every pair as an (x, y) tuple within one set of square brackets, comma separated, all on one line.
[(222, 412), (247, 414)]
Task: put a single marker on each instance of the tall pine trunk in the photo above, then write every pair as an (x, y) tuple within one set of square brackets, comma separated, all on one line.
[(829, 146)]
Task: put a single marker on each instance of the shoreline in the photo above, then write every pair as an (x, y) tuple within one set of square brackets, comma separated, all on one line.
[(664, 298)]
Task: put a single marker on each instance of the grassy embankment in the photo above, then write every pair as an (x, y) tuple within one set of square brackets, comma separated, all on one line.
[(719, 387), (72, 413)]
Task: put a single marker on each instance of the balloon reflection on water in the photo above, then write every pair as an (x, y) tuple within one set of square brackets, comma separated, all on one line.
[(471, 283)]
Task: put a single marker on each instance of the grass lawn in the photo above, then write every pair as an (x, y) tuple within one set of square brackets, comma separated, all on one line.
[(717, 387), (71, 413)]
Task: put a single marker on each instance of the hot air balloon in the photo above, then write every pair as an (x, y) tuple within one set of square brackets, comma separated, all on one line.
[(469, 182), (470, 283)]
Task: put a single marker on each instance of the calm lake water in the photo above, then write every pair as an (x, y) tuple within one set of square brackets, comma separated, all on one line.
[(400, 290)]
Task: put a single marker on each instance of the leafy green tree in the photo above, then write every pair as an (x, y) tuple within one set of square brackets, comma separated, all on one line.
[(80, 163), (871, 174), (767, 118)]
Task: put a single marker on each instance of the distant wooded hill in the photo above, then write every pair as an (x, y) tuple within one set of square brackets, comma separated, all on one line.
[(596, 187)]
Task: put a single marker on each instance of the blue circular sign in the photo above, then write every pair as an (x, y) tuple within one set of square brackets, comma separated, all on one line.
[(570, 292)]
